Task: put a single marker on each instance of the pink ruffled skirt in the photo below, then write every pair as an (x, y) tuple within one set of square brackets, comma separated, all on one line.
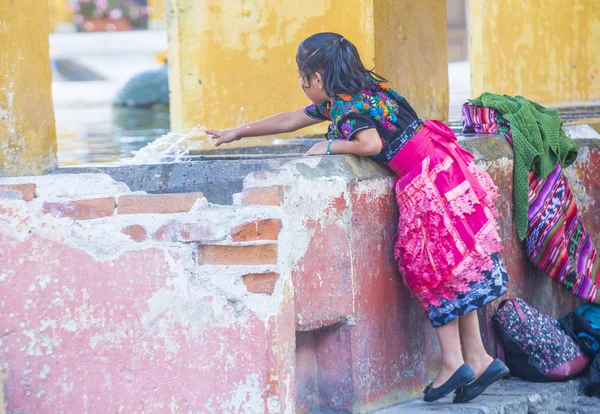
[(448, 237)]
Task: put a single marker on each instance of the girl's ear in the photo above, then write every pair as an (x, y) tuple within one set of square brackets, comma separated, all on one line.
[(318, 79)]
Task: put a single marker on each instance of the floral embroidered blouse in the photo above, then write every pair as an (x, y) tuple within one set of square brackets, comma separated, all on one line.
[(378, 107)]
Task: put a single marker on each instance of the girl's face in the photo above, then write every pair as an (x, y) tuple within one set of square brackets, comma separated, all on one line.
[(314, 88)]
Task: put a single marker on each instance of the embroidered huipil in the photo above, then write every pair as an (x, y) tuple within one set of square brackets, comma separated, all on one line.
[(378, 107)]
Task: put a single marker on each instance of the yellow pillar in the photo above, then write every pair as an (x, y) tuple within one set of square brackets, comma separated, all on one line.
[(60, 14), (157, 18), (547, 51), (234, 62), (411, 50), (27, 130)]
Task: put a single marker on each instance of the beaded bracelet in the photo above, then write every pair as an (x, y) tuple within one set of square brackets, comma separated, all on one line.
[(328, 152)]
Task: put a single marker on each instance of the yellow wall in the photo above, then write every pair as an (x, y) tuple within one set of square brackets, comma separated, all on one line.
[(60, 13), (234, 62), (547, 51), (27, 131)]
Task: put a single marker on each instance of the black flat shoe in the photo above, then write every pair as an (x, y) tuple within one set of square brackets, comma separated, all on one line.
[(496, 371), (461, 377)]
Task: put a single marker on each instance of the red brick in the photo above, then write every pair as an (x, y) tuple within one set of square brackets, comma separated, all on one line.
[(261, 282), (157, 203), (82, 209), (136, 232), (10, 195), (27, 190), (256, 230), (263, 196), (176, 231), (238, 255)]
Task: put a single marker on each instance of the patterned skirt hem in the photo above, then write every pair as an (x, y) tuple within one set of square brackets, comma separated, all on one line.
[(493, 285)]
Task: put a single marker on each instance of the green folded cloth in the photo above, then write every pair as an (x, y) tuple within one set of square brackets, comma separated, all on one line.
[(539, 143)]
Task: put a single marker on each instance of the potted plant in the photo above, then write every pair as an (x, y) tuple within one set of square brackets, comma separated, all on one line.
[(101, 15)]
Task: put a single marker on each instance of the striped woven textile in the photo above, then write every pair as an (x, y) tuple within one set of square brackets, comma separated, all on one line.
[(478, 120), (556, 242)]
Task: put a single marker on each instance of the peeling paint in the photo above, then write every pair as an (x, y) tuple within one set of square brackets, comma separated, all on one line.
[(560, 42), (45, 371), (188, 304)]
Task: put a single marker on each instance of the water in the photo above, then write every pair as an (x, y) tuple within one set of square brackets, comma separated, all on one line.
[(174, 145), (101, 135)]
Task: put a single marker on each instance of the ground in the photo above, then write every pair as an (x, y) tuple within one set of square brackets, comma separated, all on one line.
[(513, 396)]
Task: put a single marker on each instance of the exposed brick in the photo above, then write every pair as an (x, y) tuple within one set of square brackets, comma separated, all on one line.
[(176, 231), (10, 195), (263, 196), (157, 203), (82, 209), (238, 255), (27, 191), (261, 282), (136, 232), (256, 230)]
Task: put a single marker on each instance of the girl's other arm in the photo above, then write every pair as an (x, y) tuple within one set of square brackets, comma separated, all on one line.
[(276, 124), (365, 142)]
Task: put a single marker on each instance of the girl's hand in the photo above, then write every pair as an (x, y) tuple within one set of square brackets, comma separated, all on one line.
[(320, 148), (224, 136)]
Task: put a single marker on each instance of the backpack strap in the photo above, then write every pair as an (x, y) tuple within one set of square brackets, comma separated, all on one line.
[(518, 309)]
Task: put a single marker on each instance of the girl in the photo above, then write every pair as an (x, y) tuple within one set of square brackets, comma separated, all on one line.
[(447, 245)]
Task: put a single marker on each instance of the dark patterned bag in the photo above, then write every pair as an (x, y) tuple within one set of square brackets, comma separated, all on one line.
[(533, 345)]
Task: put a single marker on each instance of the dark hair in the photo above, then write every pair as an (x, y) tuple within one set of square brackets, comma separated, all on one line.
[(338, 62)]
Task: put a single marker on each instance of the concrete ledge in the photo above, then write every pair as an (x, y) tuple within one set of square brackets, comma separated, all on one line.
[(217, 179), (513, 396)]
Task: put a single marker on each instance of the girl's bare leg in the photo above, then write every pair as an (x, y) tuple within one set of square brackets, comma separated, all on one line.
[(452, 358), (474, 352)]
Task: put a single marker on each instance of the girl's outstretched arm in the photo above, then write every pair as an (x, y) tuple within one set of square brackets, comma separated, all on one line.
[(276, 124), (365, 142)]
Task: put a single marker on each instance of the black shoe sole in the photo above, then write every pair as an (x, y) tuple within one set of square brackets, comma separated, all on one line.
[(463, 376)]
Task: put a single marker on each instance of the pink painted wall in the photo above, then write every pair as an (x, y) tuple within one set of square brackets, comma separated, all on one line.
[(93, 320)]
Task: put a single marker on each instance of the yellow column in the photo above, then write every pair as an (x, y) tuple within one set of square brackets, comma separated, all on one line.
[(547, 51), (27, 130), (411, 50), (60, 14), (234, 62), (157, 16)]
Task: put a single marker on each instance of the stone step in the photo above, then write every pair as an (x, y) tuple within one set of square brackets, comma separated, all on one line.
[(512, 396)]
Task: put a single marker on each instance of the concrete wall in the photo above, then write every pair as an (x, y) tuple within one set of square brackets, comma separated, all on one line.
[(287, 300), (122, 301), (546, 51)]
